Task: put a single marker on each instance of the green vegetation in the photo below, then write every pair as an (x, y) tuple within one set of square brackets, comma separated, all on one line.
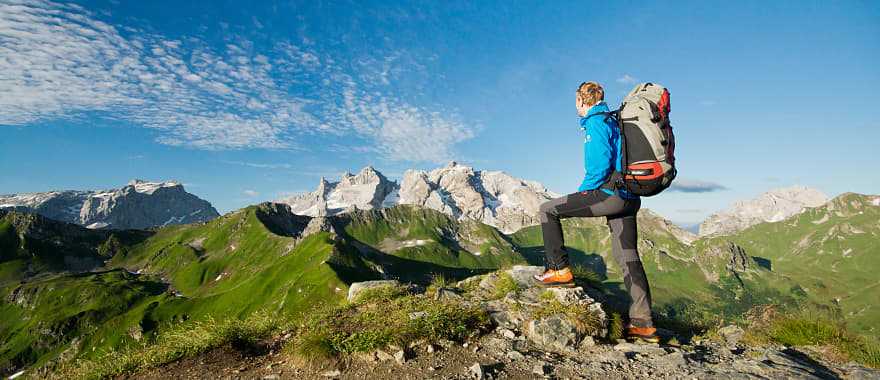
[(586, 276), (615, 327), (504, 285), (153, 282), (812, 328), (179, 341), (585, 321), (381, 317)]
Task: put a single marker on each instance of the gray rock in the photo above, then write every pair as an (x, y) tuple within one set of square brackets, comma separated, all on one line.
[(515, 355), (476, 371), (731, 334), (358, 287), (555, 333), (503, 319), (586, 343), (522, 274), (332, 374), (384, 356), (540, 369), (507, 333), (444, 294), (794, 363), (400, 357), (646, 349)]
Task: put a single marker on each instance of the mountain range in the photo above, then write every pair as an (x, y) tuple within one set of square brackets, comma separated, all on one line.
[(772, 206), (137, 205), (69, 292), (492, 197)]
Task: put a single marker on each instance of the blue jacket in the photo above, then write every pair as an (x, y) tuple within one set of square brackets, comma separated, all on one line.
[(601, 150)]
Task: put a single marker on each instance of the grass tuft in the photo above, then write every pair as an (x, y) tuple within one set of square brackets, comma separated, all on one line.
[(587, 276), (615, 326), (438, 281), (584, 320), (504, 285)]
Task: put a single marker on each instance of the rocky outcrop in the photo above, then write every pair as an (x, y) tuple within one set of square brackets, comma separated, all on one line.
[(492, 197), (541, 345), (138, 205), (367, 190), (772, 206)]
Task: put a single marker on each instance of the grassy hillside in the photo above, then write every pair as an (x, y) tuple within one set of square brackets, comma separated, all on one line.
[(68, 292), (231, 266), (832, 252), (257, 258)]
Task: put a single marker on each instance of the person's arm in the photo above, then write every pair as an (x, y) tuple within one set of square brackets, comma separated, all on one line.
[(597, 155)]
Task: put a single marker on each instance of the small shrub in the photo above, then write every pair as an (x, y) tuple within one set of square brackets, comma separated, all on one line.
[(504, 285), (438, 281), (615, 326), (584, 320), (586, 275)]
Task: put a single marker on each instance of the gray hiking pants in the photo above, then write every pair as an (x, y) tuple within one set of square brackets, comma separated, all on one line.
[(620, 215)]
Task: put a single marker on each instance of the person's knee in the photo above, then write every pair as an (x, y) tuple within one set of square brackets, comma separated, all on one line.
[(546, 211)]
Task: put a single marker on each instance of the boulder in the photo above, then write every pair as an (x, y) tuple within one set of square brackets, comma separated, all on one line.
[(358, 287), (554, 333), (522, 274)]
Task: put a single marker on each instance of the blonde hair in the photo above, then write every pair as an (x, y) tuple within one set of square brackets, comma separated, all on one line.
[(590, 93)]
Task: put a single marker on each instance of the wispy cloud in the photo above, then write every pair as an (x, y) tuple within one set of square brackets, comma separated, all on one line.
[(251, 193), (692, 186), (60, 61), (627, 79), (259, 165)]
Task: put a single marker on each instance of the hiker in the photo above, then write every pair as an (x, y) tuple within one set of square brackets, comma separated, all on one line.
[(596, 196)]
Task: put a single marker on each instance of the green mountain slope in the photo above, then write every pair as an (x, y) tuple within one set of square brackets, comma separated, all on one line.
[(258, 258), (69, 292), (832, 252)]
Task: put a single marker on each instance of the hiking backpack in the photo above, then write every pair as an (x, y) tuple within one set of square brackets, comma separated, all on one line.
[(647, 142)]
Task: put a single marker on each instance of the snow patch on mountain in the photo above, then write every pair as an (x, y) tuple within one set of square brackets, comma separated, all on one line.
[(772, 206)]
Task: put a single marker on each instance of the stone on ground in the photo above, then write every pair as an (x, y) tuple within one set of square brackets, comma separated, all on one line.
[(358, 287)]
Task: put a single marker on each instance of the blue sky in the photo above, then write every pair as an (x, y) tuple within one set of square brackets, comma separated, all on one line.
[(248, 103)]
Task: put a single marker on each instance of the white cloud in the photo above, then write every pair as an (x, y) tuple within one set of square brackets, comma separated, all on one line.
[(58, 61), (627, 79), (251, 193)]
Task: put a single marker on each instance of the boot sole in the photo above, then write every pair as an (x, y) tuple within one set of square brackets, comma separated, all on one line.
[(556, 284), (637, 339)]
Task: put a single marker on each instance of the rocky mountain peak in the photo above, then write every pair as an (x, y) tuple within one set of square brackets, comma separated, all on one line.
[(772, 206), (137, 205), (493, 197)]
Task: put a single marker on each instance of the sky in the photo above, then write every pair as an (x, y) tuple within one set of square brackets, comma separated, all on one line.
[(244, 103)]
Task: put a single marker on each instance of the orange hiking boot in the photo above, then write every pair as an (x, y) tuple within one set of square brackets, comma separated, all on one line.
[(555, 278), (645, 334)]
